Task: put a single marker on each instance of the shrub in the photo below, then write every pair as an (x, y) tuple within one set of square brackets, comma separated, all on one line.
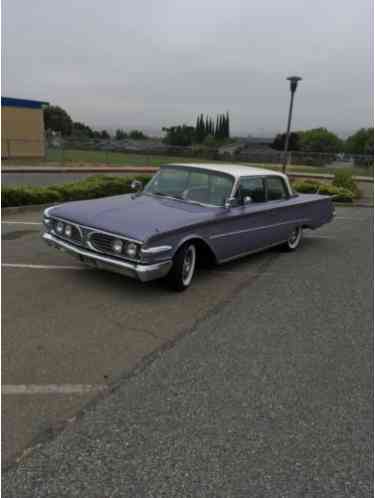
[(344, 179), (24, 196), (339, 194), (90, 188), (306, 186)]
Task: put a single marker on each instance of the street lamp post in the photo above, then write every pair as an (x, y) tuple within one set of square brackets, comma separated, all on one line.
[(293, 87)]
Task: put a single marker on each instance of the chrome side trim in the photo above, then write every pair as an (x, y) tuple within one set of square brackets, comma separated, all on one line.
[(143, 272), (248, 253), (264, 227), (156, 250)]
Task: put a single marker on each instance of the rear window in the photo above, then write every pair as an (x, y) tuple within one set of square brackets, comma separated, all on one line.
[(252, 187), (276, 189)]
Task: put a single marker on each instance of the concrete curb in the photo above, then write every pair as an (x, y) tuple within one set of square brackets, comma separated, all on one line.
[(28, 208), (145, 169), (367, 179)]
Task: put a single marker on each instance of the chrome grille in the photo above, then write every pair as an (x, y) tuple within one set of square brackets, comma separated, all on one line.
[(102, 242)]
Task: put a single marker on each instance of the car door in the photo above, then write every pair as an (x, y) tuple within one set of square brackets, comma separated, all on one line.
[(241, 228), (279, 221)]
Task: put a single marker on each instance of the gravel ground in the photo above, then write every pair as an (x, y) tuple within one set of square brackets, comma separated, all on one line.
[(270, 395)]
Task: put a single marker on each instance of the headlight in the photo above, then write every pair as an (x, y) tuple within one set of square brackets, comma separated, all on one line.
[(117, 246), (47, 222), (68, 231), (59, 227), (131, 249)]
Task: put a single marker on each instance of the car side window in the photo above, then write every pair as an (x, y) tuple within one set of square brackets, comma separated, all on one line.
[(253, 188), (276, 189)]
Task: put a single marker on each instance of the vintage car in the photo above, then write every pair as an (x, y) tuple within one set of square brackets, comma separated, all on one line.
[(186, 213)]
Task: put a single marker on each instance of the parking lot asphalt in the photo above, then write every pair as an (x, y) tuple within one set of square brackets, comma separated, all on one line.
[(257, 381)]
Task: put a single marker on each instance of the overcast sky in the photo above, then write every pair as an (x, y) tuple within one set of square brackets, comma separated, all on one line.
[(148, 64)]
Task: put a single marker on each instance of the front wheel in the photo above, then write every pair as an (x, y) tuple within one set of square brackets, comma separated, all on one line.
[(182, 271), (294, 239)]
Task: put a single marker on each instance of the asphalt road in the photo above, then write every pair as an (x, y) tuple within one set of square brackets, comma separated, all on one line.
[(43, 179), (255, 382)]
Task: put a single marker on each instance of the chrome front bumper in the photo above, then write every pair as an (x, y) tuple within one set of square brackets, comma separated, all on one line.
[(144, 273)]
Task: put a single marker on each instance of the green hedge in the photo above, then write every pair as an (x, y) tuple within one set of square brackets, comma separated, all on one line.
[(105, 186), (339, 194), (90, 188), (344, 179)]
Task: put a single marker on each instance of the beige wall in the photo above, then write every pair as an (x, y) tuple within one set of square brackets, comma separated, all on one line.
[(22, 132)]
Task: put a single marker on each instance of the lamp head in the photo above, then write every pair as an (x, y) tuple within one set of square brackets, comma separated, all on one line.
[(294, 82)]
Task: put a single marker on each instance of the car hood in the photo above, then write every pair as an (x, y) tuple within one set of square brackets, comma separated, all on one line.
[(138, 217)]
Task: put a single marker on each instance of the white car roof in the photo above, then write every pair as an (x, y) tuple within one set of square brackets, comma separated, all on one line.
[(236, 170)]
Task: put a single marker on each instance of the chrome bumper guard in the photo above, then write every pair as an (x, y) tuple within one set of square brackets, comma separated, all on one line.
[(144, 273)]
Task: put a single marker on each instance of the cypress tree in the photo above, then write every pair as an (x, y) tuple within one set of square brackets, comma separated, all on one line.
[(201, 133), (222, 124)]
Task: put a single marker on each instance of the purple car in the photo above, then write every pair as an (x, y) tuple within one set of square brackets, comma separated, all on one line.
[(186, 213)]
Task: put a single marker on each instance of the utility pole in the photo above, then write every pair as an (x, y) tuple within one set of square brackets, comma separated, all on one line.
[(293, 87)]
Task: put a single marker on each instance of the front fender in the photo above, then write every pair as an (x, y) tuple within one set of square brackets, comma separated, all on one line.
[(195, 237), (176, 241)]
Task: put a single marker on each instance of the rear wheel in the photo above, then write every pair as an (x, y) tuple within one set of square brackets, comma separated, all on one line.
[(182, 271), (294, 239)]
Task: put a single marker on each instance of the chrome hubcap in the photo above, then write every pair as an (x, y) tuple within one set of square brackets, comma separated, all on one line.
[(188, 265), (295, 237)]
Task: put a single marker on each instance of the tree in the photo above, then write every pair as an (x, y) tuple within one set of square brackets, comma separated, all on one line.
[(361, 142), (120, 134), (179, 135), (279, 141), (82, 130), (57, 119), (137, 135), (319, 140), (104, 134), (200, 129)]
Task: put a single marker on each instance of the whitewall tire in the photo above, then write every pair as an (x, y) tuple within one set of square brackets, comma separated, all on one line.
[(183, 268)]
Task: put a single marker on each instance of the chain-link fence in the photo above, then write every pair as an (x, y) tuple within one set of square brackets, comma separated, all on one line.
[(154, 152)]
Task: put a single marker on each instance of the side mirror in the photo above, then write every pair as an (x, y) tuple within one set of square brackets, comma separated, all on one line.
[(228, 202), (247, 200), (136, 185)]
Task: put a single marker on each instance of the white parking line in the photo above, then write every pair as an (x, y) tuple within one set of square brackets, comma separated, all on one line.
[(52, 388), (330, 237), (44, 267), (21, 222), (349, 219)]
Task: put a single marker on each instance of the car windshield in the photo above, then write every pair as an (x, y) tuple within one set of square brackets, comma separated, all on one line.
[(191, 184)]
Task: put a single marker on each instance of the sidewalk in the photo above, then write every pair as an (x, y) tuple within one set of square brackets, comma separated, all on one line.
[(78, 169)]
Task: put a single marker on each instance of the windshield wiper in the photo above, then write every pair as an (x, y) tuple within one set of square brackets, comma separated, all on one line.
[(171, 196)]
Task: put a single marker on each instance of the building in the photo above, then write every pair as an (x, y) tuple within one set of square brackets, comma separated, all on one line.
[(22, 128)]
